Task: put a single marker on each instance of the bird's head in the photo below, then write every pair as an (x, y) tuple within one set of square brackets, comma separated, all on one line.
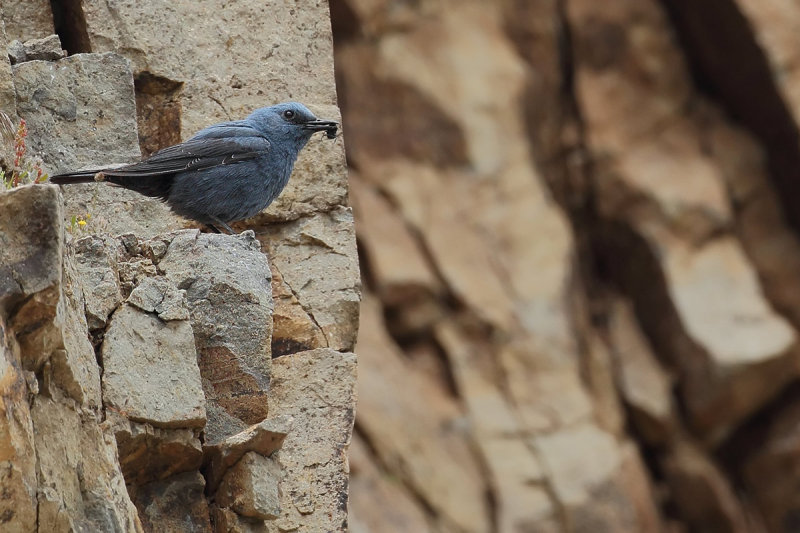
[(290, 123)]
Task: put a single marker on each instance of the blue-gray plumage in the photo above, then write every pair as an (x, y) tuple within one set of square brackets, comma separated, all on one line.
[(226, 172)]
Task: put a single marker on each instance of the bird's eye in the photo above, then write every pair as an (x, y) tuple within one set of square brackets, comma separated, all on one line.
[(288, 114)]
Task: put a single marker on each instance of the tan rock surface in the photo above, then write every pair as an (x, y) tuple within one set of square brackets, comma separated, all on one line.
[(725, 337), (643, 383), (400, 410), (28, 20), (8, 100), (378, 501), (264, 438), (316, 258), (157, 383), (174, 505), (18, 474), (653, 308), (317, 389), (226, 281), (250, 487)]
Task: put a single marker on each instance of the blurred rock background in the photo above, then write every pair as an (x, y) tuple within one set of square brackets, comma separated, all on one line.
[(578, 230)]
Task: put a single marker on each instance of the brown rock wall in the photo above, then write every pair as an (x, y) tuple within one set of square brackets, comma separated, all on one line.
[(579, 223)]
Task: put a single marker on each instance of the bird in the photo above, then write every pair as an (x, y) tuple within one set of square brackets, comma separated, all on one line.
[(224, 173)]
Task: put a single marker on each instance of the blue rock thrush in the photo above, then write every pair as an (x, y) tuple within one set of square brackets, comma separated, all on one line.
[(226, 172)]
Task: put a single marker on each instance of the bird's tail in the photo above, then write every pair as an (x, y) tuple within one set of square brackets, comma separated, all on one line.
[(80, 176)]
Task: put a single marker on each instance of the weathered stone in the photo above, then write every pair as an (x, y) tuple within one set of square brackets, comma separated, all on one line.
[(770, 463), (316, 257), (600, 485), (174, 505), (704, 498), (160, 296), (81, 113), (657, 181), (250, 487), (572, 460), (399, 411), (45, 49), (150, 370), (8, 99), (264, 438), (18, 506), (316, 388), (227, 286), (395, 258), (744, 344), (226, 521), (771, 24), (643, 383), (96, 264), (293, 329), (77, 468), (28, 20), (16, 52), (379, 503), (30, 243), (49, 322), (634, 480), (148, 453)]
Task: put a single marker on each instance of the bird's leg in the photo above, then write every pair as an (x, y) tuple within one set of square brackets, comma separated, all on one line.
[(223, 224)]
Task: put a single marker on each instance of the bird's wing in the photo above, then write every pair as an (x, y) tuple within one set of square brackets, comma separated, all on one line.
[(198, 153)]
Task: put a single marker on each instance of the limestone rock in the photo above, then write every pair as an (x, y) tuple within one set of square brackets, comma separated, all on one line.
[(174, 505), (316, 259), (399, 411), (395, 257), (767, 461), (230, 522), (378, 502), (28, 20), (156, 381), (657, 182), (50, 324), (148, 453), (264, 438), (30, 243), (704, 497), (45, 49), (293, 329), (18, 476), (250, 487), (226, 281), (160, 296), (83, 487), (316, 388), (643, 383), (8, 100), (96, 264)]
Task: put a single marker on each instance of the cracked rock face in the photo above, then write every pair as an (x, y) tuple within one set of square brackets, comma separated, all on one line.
[(153, 343), (581, 256)]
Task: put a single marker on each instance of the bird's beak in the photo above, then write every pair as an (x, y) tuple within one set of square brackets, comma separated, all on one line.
[(328, 126)]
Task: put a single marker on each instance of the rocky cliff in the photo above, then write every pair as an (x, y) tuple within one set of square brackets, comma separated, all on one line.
[(580, 257), (156, 378)]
